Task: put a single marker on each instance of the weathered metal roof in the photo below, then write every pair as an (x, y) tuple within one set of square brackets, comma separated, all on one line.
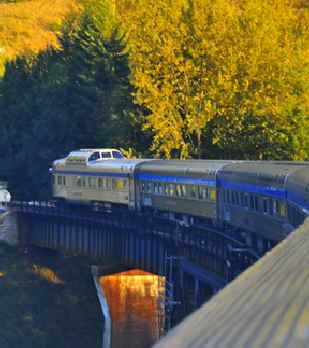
[(188, 168), (266, 306)]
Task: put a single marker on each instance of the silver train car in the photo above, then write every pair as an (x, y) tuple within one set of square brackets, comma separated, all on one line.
[(183, 190), (265, 199), (253, 197), (297, 186), (86, 177)]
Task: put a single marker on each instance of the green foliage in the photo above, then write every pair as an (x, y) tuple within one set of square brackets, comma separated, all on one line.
[(78, 96)]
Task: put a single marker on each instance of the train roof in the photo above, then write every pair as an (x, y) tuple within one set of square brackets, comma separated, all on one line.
[(259, 172), (117, 165), (91, 150), (190, 168), (298, 187)]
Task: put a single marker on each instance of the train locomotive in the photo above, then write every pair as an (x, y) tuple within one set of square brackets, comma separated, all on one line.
[(263, 201)]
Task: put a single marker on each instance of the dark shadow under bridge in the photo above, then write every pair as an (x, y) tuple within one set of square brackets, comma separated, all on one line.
[(199, 258)]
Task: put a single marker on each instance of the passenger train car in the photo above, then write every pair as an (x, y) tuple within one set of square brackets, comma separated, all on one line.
[(267, 199), (86, 177), (253, 195), (184, 189)]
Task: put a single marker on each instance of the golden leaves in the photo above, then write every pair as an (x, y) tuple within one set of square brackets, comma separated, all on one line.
[(193, 62), (32, 25)]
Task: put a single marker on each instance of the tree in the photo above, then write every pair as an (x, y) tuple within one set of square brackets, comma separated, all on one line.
[(99, 93), (215, 74), (62, 99)]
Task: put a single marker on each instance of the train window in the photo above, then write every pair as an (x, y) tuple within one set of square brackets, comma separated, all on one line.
[(271, 206), (227, 196), (165, 189), (222, 195), (100, 183), (235, 198), (118, 184), (155, 188), (232, 197), (213, 194), (148, 187), (59, 180), (78, 181), (108, 183), (94, 156), (180, 190), (106, 155), (160, 188), (199, 192), (104, 183), (241, 196), (202, 192), (184, 190), (282, 209), (193, 191), (276, 206), (91, 182), (244, 197), (114, 184), (256, 203), (265, 205), (83, 181), (251, 203), (117, 154), (171, 190)]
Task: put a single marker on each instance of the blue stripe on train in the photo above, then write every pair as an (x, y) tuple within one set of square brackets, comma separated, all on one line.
[(297, 200), (176, 179), (263, 190)]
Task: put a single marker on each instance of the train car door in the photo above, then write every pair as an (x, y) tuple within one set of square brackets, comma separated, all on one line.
[(131, 191)]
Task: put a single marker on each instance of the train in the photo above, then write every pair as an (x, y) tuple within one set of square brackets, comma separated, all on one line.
[(263, 201)]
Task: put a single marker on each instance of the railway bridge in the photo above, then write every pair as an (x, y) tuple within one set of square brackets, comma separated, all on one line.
[(200, 258), (266, 306)]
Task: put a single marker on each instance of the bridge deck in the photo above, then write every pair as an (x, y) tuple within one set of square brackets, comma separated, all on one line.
[(266, 306)]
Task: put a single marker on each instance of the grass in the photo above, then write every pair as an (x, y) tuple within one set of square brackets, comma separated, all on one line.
[(47, 300)]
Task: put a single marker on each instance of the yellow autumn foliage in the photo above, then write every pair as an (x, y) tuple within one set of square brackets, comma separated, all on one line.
[(31, 26), (241, 66), (232, 74)]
